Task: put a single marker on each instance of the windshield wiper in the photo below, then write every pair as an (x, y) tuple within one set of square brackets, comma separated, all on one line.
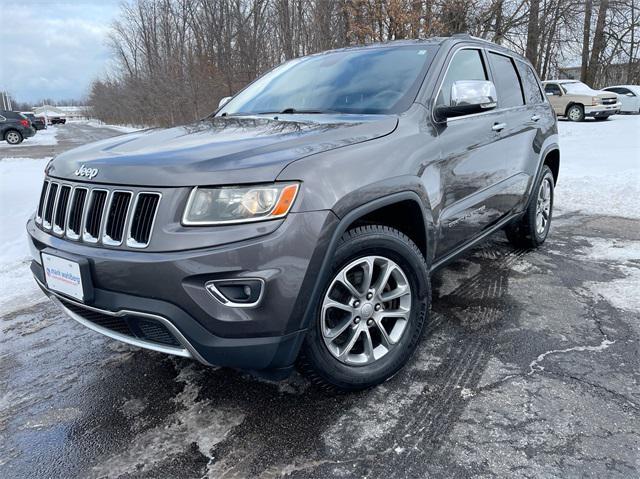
[(295, 111)]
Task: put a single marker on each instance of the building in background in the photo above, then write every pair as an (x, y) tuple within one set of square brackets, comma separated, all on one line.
[(614, 74), (5, 101), (69, 112)]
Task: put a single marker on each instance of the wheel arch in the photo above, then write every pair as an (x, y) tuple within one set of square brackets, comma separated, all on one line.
[(570, 104), (9, 130), (377, 209)]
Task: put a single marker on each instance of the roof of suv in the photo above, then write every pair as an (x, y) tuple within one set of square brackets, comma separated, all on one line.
[(561, 81), (453, 39)]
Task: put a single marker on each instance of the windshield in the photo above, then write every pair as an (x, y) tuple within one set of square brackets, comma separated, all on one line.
[(577, 88), (367, 81)]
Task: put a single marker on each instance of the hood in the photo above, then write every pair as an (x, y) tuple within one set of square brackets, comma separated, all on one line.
[(219, 150)]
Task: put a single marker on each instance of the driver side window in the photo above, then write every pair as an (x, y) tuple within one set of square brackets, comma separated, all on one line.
[(466, 65)]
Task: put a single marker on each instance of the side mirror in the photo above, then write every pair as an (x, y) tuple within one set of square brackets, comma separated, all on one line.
[(469, 97), (630, 94), (224, 101)]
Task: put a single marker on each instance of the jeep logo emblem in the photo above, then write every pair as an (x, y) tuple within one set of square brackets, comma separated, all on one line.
[(88, 172)]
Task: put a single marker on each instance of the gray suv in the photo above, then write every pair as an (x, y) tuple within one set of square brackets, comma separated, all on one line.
[(299, 224)]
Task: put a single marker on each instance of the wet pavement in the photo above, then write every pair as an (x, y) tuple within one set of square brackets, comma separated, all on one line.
[(529, 367)]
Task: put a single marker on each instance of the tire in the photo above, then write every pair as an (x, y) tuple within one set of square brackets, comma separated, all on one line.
[(13, 137), (527, 232), (575, 113), (330, 357)]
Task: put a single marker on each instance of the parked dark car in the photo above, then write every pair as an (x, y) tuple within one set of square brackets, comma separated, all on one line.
[(56, 120), (14, 127), (301, 222), (38, 122)]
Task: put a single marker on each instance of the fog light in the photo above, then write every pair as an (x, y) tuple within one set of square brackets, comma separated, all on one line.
[(237, 293)]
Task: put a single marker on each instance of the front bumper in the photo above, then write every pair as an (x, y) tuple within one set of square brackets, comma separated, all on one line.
[(602, 110), (168, 288)]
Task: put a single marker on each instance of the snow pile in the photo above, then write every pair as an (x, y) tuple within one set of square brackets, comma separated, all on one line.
[(99, 124), (600, 167), (41, 138), (20, 186)]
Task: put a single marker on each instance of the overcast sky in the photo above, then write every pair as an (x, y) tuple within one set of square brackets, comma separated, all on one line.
[(53, 48)]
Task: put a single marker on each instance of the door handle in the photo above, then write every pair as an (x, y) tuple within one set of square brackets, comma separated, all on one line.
[(499, 126), (535, 117)]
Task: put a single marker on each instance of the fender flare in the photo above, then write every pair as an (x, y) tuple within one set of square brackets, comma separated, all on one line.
[(340, 229), (543, 157)]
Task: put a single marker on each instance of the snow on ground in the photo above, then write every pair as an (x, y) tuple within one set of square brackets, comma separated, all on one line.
[(600, 167), (100, 124), (599, 174), (41, 138), (20, 186)]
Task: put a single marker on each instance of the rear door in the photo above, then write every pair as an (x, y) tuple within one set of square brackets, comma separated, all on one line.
[(520, 125)]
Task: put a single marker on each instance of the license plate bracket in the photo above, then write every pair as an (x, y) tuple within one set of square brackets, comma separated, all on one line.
[(67, 274)]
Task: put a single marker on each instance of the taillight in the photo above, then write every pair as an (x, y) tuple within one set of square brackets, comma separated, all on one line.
[(25, 123)]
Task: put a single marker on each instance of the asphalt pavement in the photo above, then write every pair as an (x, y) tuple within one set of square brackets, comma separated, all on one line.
[(529, 367)]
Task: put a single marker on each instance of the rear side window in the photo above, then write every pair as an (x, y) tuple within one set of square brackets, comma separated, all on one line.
[(507, 81), (553, 89), (465, 65), (530, 85)]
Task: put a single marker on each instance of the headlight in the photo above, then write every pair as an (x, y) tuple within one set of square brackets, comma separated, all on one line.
[(244, 204), (595, 101)]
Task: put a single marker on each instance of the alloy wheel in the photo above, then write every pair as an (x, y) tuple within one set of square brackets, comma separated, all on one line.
[(12, 137), (543, 209), (366, 310)]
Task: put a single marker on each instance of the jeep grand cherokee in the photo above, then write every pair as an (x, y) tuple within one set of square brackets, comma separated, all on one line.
[(300, 223)]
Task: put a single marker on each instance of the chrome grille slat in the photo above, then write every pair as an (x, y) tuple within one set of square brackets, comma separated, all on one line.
[(50, 204), (98, 215), (94, 215), (76, 212), (41, 202), (62, 205)]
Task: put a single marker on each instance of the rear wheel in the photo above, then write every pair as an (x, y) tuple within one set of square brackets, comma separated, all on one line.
[(531, 230), (372, 310), (13, 137), (575, 113)]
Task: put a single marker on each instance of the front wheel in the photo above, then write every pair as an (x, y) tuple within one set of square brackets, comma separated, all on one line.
[(531, 230), (370, 316), (575, 113), (13, 137)]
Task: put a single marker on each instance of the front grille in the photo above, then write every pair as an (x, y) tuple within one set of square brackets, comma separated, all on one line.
[(609, 101), (98, 215), (128, 325)]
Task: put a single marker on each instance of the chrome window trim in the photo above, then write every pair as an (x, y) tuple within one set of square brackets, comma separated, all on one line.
[(86, 237), (439, 89), (105, 237), (221, 298), (132, 243), (68, 233), (487, 68)]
